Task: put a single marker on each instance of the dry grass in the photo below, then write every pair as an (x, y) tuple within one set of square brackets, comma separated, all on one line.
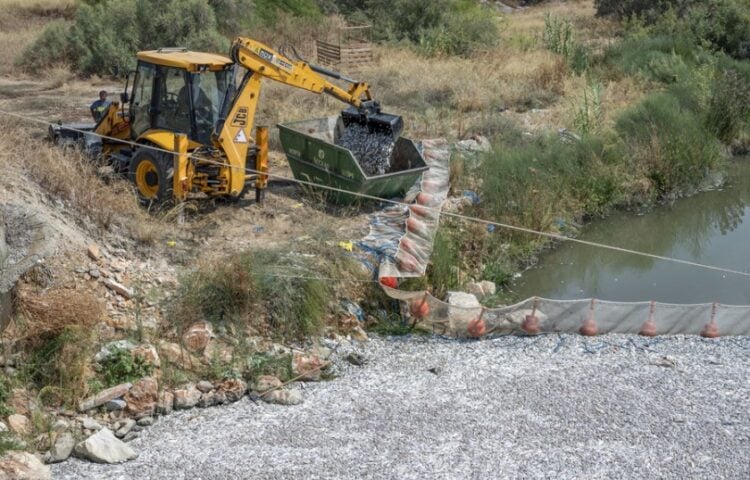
[(446, 96), (45, 314), (71, 179), (20, 23)]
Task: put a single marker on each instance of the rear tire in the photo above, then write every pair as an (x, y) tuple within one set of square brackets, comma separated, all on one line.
[(152, 174)]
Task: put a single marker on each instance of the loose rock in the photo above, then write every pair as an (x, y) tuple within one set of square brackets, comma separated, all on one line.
[(145, 421), (23, 466), (62, 448), (115, 405), (141, 399), (232, 388), (197, 336), (104, 447), (267, 382), (204, 386), (306, 366), (119, 288), (19, 424), (104, 396), (130, 437), (94, 252), (356, 359), (148, 353), (186, 397), (90, 424), (124, 427), (165, 404), (110, 348), (209, 399), (60, 425), (283, 397)]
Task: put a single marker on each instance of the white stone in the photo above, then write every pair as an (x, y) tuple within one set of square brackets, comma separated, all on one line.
[(104, 447), (186, 397), (124, 427), (62, 448), (19, 424), (283, 397), (462, 300), (23, 466), (90, 424)]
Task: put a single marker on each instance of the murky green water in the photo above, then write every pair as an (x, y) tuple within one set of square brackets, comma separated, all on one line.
[(711, 228)]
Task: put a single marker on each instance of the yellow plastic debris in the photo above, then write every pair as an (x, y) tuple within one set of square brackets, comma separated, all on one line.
[(348, 246)]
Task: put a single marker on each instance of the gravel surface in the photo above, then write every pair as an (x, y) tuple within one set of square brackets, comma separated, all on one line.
[(554, 406)]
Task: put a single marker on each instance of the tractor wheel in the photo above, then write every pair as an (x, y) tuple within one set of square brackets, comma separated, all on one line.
[(152, 173)]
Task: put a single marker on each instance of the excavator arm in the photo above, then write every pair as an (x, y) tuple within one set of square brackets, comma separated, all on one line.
[(261, 62)]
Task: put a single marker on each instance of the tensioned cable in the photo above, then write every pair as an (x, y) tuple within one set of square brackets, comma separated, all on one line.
[(506, 226)]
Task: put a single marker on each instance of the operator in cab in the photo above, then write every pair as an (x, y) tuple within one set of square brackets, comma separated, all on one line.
[(100, 107)]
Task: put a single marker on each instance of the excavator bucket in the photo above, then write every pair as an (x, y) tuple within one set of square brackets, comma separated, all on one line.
[(375, 121)]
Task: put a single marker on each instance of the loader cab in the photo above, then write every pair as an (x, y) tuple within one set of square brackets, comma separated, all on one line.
[(180, 91)]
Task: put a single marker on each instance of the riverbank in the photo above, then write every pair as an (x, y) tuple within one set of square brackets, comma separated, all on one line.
[(563, 406), (710, 227)]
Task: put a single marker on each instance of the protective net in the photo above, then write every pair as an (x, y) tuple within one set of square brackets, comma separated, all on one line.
[(401, 237), (585, 316)]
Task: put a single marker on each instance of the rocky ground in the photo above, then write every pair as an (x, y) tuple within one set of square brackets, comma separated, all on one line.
[(554, 406)]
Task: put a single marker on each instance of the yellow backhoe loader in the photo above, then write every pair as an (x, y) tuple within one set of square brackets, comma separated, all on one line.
[(200, 107)]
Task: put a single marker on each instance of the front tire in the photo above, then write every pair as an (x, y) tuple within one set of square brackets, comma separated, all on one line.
[(152, 174)]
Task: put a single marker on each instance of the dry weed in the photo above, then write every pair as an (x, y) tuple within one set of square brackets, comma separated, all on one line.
[(71, 178), (45, 314)]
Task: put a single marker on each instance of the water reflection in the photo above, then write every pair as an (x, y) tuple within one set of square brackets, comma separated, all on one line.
[(711, 228)]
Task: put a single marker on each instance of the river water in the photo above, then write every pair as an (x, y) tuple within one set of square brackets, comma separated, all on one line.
[(711, 228)]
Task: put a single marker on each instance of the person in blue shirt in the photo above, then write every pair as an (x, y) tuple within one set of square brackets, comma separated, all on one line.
[(100, 107)]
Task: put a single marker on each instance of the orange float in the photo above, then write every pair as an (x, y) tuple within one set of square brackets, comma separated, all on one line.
[(711, 330), (418, 210), (424, 198), (390, 282), (530, 324), (414, 225), (419, 308), (407, 262), (477, 327), (649, 326), (589, 327)]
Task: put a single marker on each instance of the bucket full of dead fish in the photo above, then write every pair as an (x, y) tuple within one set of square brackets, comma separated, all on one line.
[(352, 156)]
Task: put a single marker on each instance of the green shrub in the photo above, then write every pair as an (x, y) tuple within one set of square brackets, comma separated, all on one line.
[(121, 367), (61, 361), (729, 106), (558, 35), (8, 442), (280, 366), (105, 36), (442, 271), (722, 25), (668, 143), (450, 27), (664, 58), (716, 24), (588, 112), (296, 306), (558, 38), (648, 9), (220, 294), (462, 32), (4, 397), (262, 289)]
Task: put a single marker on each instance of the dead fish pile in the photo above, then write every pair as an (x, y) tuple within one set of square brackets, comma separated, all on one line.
[(372, 150)]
